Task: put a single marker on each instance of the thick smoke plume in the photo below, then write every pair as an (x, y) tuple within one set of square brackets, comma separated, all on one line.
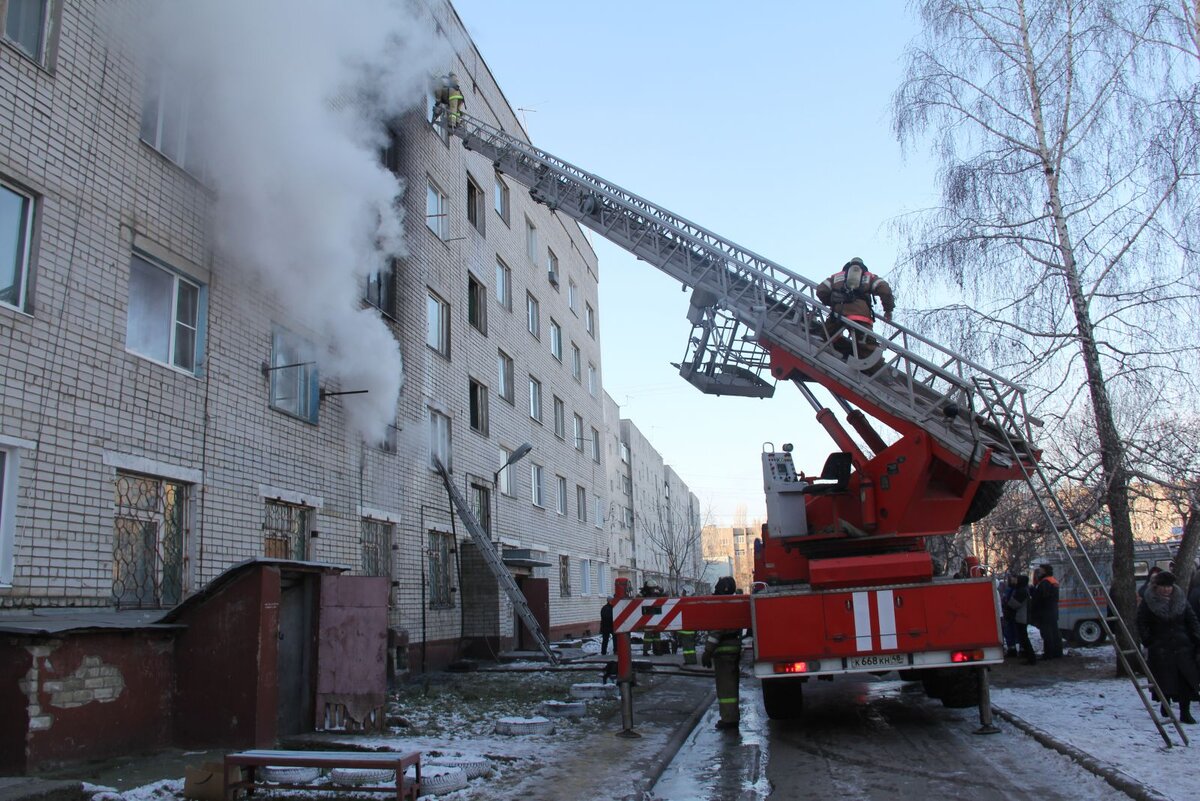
[(289, 109)]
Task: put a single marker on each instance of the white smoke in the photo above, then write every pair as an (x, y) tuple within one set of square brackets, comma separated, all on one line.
[(289, 107)]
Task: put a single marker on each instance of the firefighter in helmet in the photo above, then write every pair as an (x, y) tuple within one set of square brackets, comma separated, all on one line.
[(723, 653), (449, 98), (850, 295)]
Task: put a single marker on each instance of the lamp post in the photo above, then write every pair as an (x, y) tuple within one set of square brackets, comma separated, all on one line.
[(517, 455)]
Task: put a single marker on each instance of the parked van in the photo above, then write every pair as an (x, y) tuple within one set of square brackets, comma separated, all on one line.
[(1077, 617)]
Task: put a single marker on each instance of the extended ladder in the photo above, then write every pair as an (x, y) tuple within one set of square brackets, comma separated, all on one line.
[(496, 564), (1129, 655), (741, 301)]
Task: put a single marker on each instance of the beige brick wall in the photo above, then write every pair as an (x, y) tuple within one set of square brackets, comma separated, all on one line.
[(89, 407)]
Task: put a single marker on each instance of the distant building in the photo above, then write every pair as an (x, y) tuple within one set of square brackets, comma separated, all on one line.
[(729, 550)]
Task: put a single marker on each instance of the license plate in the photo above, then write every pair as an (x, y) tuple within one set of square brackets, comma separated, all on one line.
[(876, 661)]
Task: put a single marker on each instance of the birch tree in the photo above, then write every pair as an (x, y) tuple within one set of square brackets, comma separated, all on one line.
[(1064, 192)]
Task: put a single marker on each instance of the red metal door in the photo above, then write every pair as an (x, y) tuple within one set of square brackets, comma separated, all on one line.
[(352, 653), (537, 596)]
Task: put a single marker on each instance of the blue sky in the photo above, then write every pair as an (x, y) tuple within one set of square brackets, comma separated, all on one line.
[(766, 122)]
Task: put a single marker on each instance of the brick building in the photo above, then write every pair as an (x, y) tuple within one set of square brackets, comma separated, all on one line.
[(162, 416)]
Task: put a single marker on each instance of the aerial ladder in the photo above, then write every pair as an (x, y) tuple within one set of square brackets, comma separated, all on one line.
[(844, 552)]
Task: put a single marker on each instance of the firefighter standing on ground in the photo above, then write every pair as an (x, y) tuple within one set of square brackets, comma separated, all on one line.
[(850, 294), (723, 653)]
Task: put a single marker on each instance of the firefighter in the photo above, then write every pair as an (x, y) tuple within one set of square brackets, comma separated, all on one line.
[(650, 639), (455, 102), (687, 644), (723, 653), (850, 295)]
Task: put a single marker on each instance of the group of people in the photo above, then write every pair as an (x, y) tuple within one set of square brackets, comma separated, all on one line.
[(1024, 604)]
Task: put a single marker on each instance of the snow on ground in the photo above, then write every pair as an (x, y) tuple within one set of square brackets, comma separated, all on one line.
[(1104, 717)]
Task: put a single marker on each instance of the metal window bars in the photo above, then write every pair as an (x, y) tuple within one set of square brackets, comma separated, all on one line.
[(148, 541)]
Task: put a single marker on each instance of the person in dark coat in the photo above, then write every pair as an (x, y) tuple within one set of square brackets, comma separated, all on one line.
[(1194, 593), (1018, 604), (1008, 615), (606, 627), (1043, 610), (723, 653), (1170, 631)]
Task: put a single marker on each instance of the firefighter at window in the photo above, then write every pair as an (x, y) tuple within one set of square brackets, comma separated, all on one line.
[(850, 295), (723, 653), (449, 98)]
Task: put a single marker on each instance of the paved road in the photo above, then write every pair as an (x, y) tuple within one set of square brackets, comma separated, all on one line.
[(885, 740), (874, 740)]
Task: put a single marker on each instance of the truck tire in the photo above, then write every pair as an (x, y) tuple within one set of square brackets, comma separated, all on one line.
[(783, 698), (985, 500), (1089, 632), (960, 688)]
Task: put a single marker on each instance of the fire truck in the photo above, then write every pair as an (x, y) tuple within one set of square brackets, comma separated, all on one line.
[(925, 441)]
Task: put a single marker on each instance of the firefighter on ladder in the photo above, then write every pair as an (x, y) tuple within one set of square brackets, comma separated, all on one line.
[(850, 295), (723, 653), (450, 99)]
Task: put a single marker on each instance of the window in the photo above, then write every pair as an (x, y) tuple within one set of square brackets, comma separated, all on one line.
[(164, 316), (581, 503), (535, 399), (576, 362), (555, 339), (625, 453), (585, 576), (500, 198), (481, 504), (531, 241), (430, 108), (381, 287), (476, 304), (589, 320), (533, 313), (377, 548), (389, 156), (573, 296), (628, 517), (552, 268), (595, 446), (286, 530), (475, 205), (505, 475), (166, 108), (149, 529), (479, 407), (504, 365), (503, 284), (627, 485), (439, 439), (564, 576), (561, 495), (435, 211), (437, 324), (560, 418), (16, 245), (578, 431), (536, 472), (593, 381), (598, 517), (27, 25), (440, 546), (295, 387)]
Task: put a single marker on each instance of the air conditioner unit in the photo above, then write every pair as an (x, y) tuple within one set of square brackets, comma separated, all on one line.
[(553, 276)]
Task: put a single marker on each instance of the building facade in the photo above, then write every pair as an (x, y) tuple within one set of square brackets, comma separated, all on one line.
[(162, 416)]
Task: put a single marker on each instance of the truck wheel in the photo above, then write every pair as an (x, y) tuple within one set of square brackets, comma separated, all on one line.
[(1089, 632), (985, 500), (960, 688), (783, 698)]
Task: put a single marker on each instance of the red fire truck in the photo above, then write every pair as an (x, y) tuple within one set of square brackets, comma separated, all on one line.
[(847, 585)]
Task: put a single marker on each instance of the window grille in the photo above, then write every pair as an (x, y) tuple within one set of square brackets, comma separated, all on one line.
[(149, 530), (285, 530), (439, 569)]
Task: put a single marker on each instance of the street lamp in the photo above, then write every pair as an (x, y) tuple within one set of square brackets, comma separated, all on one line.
[(515, 456)]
